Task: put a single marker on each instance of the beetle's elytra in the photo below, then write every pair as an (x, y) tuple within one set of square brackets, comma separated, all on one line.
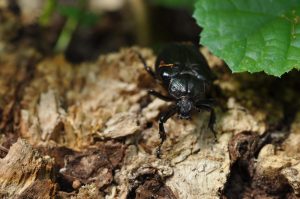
[(185, 74)]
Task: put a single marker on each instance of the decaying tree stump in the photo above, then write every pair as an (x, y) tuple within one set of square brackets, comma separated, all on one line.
[(90, 131)]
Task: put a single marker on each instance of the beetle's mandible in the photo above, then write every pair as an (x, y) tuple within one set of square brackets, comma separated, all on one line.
[(185, 74)]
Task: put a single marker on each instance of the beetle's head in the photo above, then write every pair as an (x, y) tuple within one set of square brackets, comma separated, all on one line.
[(185, 106)]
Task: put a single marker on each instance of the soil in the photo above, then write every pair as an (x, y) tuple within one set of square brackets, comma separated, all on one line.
[(90, 130)]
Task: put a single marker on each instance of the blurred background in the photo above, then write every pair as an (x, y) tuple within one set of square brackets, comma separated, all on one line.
[(83, 29)]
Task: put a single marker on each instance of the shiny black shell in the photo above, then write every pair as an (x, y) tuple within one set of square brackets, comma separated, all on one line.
[(183, 71)]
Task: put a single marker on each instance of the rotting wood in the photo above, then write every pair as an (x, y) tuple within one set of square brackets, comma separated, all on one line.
[(106, 102)]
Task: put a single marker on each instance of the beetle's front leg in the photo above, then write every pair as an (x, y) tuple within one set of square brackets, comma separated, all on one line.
[(162, 133), (160, 96)]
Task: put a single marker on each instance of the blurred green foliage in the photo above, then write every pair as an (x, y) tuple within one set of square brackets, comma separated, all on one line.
[(79, 14), (76, 15)]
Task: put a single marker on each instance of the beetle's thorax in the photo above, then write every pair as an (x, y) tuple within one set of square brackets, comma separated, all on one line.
[(186, 86)]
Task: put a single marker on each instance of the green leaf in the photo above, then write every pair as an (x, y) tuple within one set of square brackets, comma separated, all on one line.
[(252, 35)]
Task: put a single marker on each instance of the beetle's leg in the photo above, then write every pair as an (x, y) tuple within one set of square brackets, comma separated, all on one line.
[(212, 118), (160, 96), (162, 133), (147, 68)]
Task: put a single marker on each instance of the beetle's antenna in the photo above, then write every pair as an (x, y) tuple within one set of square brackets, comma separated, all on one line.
[(147, 68)]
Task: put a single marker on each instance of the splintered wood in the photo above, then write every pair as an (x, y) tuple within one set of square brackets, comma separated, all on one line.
[(96, 124), (24, 173)]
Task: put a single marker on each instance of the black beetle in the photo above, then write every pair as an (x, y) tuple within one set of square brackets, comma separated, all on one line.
[(185, 74)]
